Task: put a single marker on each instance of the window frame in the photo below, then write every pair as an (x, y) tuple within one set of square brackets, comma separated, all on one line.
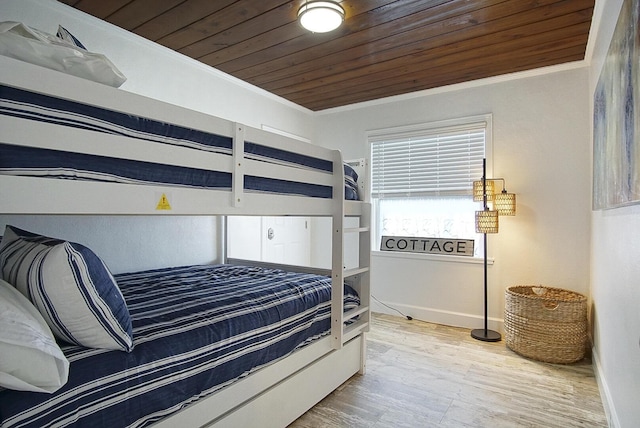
[(426, 127)]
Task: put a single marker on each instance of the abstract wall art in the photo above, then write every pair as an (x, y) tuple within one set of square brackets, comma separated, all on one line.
[(616, 133)]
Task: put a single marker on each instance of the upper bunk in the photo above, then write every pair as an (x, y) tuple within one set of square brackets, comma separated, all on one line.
[(71, 146)]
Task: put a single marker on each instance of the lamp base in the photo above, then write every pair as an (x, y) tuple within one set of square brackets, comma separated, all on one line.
[(486, 335)]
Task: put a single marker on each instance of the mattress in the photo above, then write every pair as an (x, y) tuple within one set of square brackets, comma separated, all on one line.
[(48, 163), (196, 329)]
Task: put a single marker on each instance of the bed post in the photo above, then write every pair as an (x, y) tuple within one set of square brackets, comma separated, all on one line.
[(223, 228), (337, 253), (364, 258), (238, 166)]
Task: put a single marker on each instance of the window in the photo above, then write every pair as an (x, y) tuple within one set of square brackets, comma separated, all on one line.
[(422, 178)]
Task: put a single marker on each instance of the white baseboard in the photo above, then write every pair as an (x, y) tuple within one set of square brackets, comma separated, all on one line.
[(438, 316), (605, 395)]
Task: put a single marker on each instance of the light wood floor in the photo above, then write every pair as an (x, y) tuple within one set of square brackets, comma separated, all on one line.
[(422, 375)]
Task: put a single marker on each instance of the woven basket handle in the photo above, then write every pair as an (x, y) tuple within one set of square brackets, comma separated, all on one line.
[(550, 305)]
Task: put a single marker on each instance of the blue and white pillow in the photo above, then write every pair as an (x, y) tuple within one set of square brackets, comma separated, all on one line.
[(65, 35), (350, 183), (70, 286)]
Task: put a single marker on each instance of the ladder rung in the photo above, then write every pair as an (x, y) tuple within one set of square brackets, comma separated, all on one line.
[(355, 271), (355, 312), (353, 330), (356, 229)]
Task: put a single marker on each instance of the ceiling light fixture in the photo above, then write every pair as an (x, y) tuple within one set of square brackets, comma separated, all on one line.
[(321, 16)]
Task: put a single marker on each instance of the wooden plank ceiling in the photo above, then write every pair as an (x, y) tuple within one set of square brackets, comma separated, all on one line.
[(384, 47)]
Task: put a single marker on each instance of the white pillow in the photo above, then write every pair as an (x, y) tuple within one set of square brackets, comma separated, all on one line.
[(70, 286), (31, 359)]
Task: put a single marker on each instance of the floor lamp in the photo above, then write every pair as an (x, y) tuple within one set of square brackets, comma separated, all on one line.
[(487, 221)]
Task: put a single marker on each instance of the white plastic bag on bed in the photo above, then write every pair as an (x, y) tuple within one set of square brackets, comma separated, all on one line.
[(27, 44)]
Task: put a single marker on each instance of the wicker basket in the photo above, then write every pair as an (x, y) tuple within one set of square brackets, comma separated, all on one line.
[(546, 324)]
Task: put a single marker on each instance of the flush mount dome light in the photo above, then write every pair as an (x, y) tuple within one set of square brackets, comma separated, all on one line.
[(321, 16)]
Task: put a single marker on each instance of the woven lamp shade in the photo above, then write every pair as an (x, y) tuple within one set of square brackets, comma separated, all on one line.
[(477, 191), (505, 203), (487, 221)]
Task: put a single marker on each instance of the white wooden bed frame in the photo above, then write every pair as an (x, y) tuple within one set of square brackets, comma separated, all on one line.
[(272, 396)]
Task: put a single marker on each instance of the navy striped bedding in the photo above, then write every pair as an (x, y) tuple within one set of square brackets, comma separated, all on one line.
[(196, 329), (38, 162)]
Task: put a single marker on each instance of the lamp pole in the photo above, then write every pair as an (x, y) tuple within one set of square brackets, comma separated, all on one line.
[(485, 334)]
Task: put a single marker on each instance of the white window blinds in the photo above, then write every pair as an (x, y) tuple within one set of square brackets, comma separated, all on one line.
[(429, 162)]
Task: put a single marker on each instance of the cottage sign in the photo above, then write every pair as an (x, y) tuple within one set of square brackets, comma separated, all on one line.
[(412, 244)]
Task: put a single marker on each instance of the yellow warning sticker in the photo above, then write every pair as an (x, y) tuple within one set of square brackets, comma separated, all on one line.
[(163, 204)]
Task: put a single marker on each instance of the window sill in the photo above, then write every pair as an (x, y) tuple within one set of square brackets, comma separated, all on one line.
[(433, 257)]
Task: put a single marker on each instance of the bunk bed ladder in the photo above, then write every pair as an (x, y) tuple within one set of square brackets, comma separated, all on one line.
[(359, 277), (345, 326)]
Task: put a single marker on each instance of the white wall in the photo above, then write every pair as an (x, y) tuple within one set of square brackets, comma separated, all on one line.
[(541, 146), (132, 243), (615, 278)]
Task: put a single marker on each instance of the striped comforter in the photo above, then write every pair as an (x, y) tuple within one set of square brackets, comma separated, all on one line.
[(48, 163), (196, 329)]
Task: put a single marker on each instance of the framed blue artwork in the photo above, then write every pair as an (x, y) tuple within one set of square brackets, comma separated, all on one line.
[(616, 133)]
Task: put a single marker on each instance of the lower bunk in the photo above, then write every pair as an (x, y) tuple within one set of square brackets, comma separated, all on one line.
[(277, 395), (214, 345)]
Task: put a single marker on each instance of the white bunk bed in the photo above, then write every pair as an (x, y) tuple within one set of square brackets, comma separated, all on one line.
[(272, 396)]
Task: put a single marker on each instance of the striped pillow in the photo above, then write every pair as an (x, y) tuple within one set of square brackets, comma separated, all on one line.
[(65, 35), (70, 286)]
